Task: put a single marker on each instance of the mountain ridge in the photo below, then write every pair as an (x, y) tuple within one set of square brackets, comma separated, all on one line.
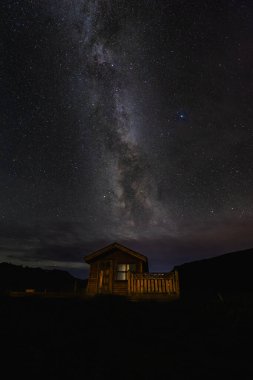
[(19, 278), (227, 272)]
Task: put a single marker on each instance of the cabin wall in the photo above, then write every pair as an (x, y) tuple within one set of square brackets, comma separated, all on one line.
[(119, 257), (92, 287), (119, 287)]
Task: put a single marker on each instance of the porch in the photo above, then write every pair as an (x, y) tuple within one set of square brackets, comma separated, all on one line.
[(146, 285)]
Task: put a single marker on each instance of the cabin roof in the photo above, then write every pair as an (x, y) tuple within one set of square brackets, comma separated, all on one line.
[(108, 248)]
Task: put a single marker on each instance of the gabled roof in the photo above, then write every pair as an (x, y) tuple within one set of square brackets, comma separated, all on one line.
[(118, 246)]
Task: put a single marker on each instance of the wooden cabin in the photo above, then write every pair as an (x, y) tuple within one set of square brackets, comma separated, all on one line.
[(118, 270)]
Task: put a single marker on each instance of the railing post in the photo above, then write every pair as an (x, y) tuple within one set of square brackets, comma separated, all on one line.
[(177, 283), (129, 281)]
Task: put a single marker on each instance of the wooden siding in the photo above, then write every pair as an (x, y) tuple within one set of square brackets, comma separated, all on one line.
[(118, 256), (120, 288), (115, 257), (93, 279)]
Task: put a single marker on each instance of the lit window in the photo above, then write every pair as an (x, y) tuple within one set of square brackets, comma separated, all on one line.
[(122, 270)]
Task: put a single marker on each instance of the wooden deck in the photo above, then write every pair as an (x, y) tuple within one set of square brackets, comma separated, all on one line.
[(153, 284)]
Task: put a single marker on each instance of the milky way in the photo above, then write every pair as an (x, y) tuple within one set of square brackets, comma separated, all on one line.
[(127, 121), (126, 185)]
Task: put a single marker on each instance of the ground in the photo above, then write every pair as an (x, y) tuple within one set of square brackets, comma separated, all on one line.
[(107, 338)]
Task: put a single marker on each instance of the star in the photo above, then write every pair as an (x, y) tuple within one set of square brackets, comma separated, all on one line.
[(127, 121), (181, 115)]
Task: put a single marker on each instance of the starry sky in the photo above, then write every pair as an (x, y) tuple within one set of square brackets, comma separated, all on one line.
[(127, 121)]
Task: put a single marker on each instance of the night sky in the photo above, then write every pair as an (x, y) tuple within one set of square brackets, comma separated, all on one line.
[(127, 121)]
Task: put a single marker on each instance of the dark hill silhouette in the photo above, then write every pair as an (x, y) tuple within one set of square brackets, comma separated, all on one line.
[(229, 272), (19, 278), (226, 273)]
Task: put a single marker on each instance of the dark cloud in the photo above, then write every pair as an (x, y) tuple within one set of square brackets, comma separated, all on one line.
[(63, 245)]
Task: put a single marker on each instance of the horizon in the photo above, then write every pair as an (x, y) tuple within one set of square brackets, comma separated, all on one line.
[(83, 274)]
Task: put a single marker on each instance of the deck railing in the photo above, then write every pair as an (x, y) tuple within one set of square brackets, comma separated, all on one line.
[(153, 283)]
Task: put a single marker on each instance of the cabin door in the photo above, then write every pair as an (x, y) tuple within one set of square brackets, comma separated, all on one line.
[(105, 277)]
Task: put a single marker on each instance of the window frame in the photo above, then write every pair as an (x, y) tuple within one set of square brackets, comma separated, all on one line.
[(129, 267)]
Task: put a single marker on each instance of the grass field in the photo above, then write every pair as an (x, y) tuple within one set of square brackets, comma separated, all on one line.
[(110, 338)]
